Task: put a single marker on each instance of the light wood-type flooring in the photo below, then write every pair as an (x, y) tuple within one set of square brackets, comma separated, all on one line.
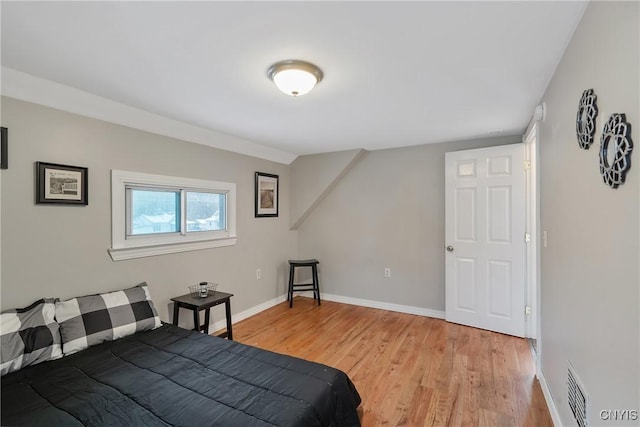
[(409, 370)]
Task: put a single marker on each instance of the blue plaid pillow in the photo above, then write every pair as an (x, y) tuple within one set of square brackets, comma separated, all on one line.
[(29, 336), (92, 319)]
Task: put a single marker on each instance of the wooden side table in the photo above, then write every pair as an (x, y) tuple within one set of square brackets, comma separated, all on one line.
[(197, 304)]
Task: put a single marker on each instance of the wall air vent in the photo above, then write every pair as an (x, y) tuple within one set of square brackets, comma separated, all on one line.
[(577, 397)]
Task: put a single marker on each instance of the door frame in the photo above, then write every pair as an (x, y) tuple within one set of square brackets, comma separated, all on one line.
[(531, 140)]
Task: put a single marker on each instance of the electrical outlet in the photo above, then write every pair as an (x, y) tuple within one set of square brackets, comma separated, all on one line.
[(387, 272), (258, 274)]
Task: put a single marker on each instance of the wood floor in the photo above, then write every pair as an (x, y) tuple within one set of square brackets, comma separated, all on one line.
[(409, 370)]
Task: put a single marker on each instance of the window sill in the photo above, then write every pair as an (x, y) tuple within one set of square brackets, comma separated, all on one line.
[(172, 248)]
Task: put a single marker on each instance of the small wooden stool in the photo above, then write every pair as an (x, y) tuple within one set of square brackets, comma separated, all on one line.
[(314, 286)]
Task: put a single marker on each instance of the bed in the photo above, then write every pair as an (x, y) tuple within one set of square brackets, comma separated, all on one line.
[(107, 359), (171, 376)]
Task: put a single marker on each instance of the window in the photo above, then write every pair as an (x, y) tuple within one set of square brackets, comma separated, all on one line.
[(151, 210), (157, 214), (206, 211)]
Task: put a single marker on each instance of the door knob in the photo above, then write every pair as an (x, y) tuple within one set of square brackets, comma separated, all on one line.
[(450, 248)]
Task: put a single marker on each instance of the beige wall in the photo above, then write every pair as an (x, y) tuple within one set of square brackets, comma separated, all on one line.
[(589, 273), (61, 251), (387, 211)]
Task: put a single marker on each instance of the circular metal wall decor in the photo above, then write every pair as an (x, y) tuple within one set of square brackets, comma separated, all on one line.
[(615, 150), (586, 119)]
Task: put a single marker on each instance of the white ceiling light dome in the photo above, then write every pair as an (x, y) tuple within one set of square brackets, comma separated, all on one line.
[(295, 77)]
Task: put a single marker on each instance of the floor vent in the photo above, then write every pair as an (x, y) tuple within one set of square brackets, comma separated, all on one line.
[(577, 397)]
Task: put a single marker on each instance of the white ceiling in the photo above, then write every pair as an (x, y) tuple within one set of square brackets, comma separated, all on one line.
[(396, 73)]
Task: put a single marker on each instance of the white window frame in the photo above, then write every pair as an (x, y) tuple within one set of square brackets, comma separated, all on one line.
[(160, 244)]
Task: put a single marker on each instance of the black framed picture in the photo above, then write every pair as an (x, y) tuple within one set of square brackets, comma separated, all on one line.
[(4, 148), (61, 184), (266, 195)]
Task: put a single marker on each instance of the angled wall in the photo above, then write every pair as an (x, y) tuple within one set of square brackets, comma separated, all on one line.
[(313, 177), (387, 212)]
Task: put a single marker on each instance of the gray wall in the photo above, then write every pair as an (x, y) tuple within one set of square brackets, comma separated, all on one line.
[(313, 177), (387, 211), (61, 251), (589, 273)]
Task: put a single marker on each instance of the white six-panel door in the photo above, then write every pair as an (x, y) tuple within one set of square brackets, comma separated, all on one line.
[(485, 238)]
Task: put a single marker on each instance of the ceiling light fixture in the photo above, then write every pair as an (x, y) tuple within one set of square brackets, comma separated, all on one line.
[(295, 77)]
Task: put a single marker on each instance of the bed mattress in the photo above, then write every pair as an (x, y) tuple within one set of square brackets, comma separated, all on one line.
[(171, 376)]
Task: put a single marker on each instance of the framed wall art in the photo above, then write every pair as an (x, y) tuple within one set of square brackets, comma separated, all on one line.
[(4, 148), (61, 184), (266, 195)]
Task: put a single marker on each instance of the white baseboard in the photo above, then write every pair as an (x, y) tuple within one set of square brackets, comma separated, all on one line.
[(220, 324), (384, 305), (437, 314), (553, 410)]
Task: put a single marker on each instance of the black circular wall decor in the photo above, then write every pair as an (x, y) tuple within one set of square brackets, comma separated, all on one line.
[(586, 119), (615, 150)]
